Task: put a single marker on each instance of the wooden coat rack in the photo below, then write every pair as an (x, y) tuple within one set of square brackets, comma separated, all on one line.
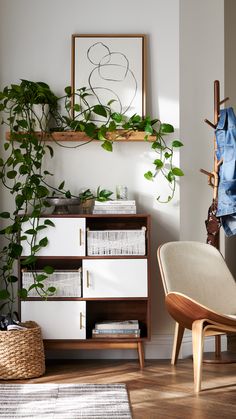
[(213, 181)]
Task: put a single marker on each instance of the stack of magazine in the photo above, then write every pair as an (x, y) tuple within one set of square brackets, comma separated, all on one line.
[(116, 329), (118, 206)]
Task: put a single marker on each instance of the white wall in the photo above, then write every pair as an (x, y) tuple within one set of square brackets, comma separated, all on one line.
[(201, 62), (35, 44), (35, 39), (230, 90)]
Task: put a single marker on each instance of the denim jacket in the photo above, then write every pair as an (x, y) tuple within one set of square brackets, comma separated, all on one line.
[(226, 148)]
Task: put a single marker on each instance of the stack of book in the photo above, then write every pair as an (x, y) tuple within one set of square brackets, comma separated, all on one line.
[(115, 207), (117, 329)]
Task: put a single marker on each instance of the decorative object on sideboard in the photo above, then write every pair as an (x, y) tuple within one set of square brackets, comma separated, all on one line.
[(62, 204)]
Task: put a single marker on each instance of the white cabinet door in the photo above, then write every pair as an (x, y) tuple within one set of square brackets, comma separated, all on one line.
[(58, 319), (114, 278), (67, 238)]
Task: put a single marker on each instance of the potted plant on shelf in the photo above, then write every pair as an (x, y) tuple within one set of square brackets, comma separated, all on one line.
[(23, 174), (87, 198), (81, 117)]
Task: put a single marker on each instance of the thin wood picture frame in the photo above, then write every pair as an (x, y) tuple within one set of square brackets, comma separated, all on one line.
[(113, 68)]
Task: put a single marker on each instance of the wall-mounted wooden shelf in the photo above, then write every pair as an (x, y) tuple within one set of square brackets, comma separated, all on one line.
[(124, 136)]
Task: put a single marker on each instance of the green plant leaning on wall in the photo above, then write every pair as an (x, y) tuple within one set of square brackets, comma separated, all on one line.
[(99, 122), (22, 173)]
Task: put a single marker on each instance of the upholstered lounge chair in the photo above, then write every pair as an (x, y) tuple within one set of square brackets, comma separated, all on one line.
[(200, 295)]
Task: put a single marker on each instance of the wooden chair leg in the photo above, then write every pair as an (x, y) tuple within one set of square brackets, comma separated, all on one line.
[(179, 332), (198, 342), (141, 354)]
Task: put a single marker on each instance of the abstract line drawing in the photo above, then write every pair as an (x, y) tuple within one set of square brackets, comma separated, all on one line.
[(112, 68)]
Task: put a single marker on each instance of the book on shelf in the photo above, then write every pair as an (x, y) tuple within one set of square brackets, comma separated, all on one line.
[(115, 335), (114, 211), (115, 324), (115, 202), (115, 208), (115, 331)]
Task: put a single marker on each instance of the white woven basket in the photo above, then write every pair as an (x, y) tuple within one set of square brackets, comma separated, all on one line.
[(116, 242), (67, 283)]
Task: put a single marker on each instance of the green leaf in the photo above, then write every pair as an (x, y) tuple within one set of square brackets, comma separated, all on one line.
[(90, 129), (12, 279), (177, 143), (137, 118), (166, 128), (48, 269), (157, 145), (19, 200), (5, 215), (6, 146), (4, 294), (43, 242), (51, 289), (68, 91), (61, 186), (42, 191), (101, 136), (68, 194), (104, 193), (107, 145), (23, 293), (49, 223), (11, 174), (29, 260), (177, 171), (77, 107), (100, 110), (117, 117), (40, 277), (170, 177), (41, 227), (22, 123), (148, 129), (15, 250), (23, 169), (111, 101), (167, 155), (148, 175), (158, 163), (30, 231), (50, 150)]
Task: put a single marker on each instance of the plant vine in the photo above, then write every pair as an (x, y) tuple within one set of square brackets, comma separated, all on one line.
[(23, 174)]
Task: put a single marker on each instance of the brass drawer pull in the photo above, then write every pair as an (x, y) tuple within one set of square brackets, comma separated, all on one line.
[(81, 320), (88, 279), (80, 236)]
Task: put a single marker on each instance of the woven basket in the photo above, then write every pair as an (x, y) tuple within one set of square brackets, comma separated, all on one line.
[(22, 353)]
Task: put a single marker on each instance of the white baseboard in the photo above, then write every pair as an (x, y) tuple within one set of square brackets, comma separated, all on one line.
[(159, 347)]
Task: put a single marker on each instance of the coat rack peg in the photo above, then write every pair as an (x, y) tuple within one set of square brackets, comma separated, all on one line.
[(206, 172), (212, 178), (210, 123), (223, 100), (220, 162)]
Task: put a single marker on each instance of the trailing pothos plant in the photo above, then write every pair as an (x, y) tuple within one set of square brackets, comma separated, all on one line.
[(99, 122), (22, 174)]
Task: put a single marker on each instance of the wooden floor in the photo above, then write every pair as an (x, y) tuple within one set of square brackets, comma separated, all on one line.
[(160, 390)]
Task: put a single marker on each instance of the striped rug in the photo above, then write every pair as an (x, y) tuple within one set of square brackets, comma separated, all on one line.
[(64, 401)]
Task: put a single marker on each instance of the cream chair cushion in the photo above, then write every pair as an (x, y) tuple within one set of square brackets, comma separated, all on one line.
[(199, 271)]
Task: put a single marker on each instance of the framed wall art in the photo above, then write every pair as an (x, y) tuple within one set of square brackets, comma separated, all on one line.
[(112, 67)]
